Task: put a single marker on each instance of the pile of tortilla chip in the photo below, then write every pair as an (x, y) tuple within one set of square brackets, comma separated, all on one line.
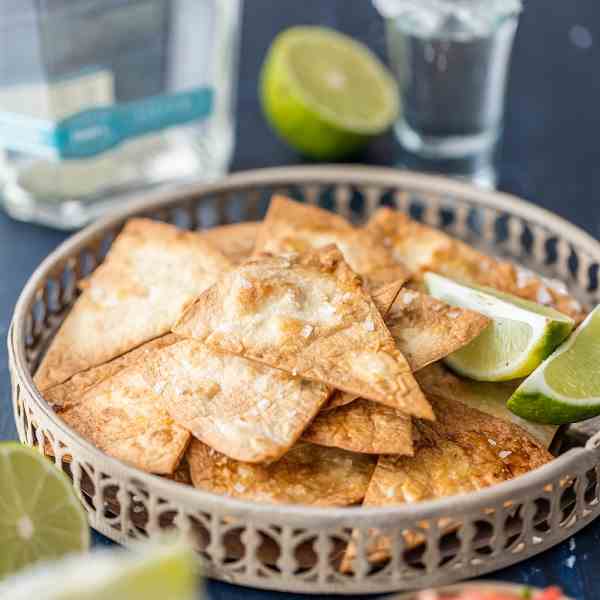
[(292, 361)]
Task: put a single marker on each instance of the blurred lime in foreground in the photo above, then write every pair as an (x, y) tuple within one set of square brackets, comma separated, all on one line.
[(566, 387), (154, 573), (521, 335), (41, 518), (324, 93)]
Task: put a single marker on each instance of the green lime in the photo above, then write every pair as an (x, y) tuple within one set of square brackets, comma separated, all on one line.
[(521, 335), (566, 387), (325, 93), (41, 518), (157, 573)]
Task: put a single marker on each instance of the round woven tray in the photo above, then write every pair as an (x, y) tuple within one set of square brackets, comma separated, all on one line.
[(297, 548)]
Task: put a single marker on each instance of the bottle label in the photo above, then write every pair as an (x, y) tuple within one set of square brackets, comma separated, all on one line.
[(97, 125)]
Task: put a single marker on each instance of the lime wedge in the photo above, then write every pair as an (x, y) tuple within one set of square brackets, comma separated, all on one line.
[(159, 573), (565, 388), (325, 93), (41, 518), (521, 335)]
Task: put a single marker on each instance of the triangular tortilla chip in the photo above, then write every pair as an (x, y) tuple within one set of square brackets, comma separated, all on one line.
[(307, 474), (425, 330), (489, 398), (363, 426), (422, 248), (151, 273), (309, 315), (243, 409), (64, 395), (293, 227), (235, 241), (181, 473), (462, 451), (123, 416)]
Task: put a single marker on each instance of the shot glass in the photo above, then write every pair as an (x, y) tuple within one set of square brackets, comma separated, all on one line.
[(450, 59)]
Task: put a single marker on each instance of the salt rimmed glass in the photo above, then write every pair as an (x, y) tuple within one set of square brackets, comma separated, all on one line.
[(451, 59)]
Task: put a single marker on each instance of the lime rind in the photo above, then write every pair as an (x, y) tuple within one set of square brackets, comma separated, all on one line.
[(546, 329), (301, 116), (537, 401), (151, 573), (42, 518)]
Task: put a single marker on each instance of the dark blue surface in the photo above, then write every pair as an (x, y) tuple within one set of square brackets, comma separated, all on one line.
[(550, 157)]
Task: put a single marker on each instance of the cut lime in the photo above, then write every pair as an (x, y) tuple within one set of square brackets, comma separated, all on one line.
[(41, 518), (325, 93), (160, 573), (521, 335), (566, 387)]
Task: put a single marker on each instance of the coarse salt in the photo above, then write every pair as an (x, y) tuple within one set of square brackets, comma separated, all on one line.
[(245, 283), (409, 296), (543, 295), (306, 331)]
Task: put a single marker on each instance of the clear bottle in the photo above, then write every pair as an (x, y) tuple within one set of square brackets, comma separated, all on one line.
[(102, 98)]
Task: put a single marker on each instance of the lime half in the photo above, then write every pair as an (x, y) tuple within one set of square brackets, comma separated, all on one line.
[(521, 335), (566, 387), (325, 93), (158, 573), (41, 518)]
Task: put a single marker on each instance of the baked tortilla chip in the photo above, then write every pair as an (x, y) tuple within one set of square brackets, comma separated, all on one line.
[(425, 330), (462, 451), (363, 426), (308, 315), (124, 417), (244, 409), (181, 473), (235, 241), (152, 272), (307, 474), (489, 398), (294, 227), (63, 396), (422, 248)]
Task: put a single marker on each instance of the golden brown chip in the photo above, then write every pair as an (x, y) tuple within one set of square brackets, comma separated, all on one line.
[(307, 474), (125, 418), (244, 409), (296, 227), (363, 426), (235, 241), (62, 396), (425, 330), (422, 248), (151, 273), (309, 315), (489, 398), (181, 473), (462, 451)]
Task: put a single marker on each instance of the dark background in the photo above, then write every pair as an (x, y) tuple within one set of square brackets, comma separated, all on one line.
[(549, 156)]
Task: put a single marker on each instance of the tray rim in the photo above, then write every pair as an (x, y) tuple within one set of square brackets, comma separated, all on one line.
[(346, 174)]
